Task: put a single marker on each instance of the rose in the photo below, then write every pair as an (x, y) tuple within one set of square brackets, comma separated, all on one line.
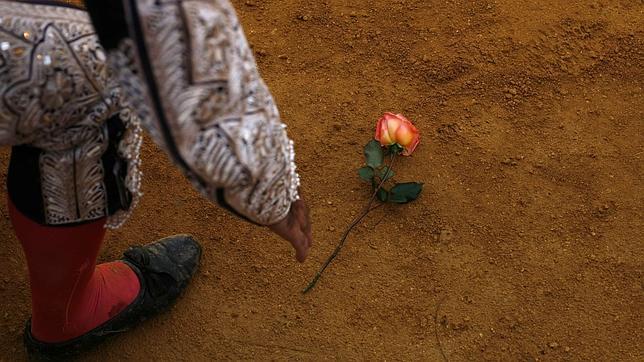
[(399, 135), (395, 129)]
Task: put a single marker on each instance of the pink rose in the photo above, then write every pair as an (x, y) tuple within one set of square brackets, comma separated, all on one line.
[(396, 129)]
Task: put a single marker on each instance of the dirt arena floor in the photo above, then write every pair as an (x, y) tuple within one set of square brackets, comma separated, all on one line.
[(530, 229)]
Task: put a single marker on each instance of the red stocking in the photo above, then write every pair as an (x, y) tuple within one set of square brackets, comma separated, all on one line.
[(70, 294)]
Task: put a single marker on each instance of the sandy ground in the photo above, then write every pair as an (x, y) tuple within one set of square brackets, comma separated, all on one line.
[(529, 230)]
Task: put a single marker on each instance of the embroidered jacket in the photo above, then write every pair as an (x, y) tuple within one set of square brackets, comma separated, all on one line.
[(181, 70)]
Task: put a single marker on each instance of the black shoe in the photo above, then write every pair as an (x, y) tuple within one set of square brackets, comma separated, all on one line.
[(164, 269)]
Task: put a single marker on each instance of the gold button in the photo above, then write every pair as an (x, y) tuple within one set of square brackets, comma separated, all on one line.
[(18, 51)]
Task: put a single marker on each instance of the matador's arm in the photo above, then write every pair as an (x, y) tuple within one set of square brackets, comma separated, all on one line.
[(187, 69)]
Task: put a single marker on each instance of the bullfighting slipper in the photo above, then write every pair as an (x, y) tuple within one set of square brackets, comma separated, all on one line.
[(164, 269)]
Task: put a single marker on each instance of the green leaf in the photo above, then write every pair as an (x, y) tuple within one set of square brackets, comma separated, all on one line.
[(383, 173), (406, 192), (383, 195), (373, 153), (366, 173)]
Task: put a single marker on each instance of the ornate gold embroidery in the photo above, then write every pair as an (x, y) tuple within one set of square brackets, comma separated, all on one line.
[(56, 93), (220, 117)]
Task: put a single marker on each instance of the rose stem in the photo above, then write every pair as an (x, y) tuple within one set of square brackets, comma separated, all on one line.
[(367, 209)]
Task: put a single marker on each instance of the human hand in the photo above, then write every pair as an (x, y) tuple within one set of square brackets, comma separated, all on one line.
[(296, 229)]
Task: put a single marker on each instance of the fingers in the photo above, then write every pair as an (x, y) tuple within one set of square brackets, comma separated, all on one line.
[(306, 242), (301, 253), (304, 248), (296, 229), (305, 239), (306, 227), (305, 223), (300, 244)]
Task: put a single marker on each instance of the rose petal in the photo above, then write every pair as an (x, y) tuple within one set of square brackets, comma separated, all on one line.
[(385, 138), (382, 132), (411, 148), (405, 134), (393, 124), (378, 135)]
